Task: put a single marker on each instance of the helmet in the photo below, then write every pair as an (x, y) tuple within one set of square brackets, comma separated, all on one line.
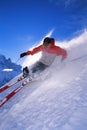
[(47, 39)]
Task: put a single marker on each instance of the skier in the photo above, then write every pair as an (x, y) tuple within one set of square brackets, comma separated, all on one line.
[(49, 52)]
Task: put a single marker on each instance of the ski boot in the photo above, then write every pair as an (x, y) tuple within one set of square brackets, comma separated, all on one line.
[(25, 72)]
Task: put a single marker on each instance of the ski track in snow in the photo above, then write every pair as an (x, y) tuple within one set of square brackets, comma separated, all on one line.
[(56, 101)]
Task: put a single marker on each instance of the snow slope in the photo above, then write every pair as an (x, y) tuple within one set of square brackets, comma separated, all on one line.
[(56, 101)]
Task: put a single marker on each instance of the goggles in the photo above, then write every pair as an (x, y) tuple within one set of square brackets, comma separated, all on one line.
[(46, 43)]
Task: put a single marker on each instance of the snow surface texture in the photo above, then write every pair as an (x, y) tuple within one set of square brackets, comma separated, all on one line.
[(8, 70), (56, 101)]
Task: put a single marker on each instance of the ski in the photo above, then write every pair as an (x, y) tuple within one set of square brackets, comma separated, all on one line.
[(10, 85), (12, 93)]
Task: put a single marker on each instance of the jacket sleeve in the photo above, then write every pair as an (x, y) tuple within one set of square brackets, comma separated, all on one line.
[(34, 51), (61, 51), (64, 53)]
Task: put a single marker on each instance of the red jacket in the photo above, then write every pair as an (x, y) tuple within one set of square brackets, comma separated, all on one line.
[(53, 49)]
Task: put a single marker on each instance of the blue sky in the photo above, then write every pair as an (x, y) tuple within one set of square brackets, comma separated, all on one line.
[(25, 22)]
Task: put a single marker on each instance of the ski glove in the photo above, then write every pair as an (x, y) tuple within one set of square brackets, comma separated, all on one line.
[(23, 54)]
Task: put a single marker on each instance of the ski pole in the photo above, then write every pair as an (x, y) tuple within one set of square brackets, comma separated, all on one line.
[(17, 60)]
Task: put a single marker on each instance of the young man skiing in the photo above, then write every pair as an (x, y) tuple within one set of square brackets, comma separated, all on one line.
[(49, 52)]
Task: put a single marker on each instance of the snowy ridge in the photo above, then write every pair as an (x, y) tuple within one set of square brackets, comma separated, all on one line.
[(8, 70), (56, 101)]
